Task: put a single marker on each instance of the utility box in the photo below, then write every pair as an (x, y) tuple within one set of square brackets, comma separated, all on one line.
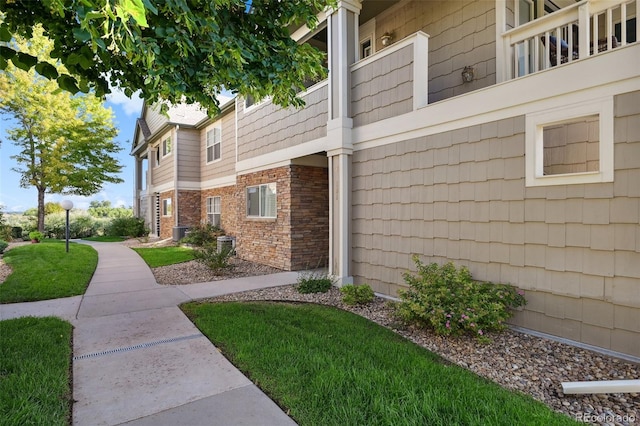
[(226, 242), (179, 232)]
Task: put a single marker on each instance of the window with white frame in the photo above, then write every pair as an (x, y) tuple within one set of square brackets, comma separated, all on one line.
[(214, 137), (214, 208), (570, 144), (166, 207), (166, 146), (261, 200)]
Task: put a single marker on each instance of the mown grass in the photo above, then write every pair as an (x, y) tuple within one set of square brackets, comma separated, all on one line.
[(46, 271), (106, 239), (330, 367), (35, 375), (163, 256)]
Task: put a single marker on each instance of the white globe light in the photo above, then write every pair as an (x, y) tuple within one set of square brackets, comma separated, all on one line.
[(67, 204)]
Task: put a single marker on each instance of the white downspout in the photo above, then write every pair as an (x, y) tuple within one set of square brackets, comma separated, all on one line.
[(175, 175), (603, 386)]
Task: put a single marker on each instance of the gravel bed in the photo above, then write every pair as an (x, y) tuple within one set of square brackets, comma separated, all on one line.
[(195, 272), (517, 361)]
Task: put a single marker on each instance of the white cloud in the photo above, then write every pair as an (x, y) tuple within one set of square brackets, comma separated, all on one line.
[(131, 106)]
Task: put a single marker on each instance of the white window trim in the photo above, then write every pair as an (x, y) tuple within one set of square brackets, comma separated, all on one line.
[(162, 147), (534, 159), (167, 211), (260, 216), (206, 135), (212, 210)]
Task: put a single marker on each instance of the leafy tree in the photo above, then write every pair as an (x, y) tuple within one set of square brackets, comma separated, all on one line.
[(50, 208), (104, 209), (66, 142), (171, 50)]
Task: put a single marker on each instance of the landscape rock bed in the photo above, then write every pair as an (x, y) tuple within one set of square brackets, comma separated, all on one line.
[(517, 361)]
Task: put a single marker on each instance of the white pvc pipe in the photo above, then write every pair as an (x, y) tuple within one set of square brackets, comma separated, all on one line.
[(604, 386)]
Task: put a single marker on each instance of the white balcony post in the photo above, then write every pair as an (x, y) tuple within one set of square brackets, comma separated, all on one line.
[(342, 40), (584, 34)]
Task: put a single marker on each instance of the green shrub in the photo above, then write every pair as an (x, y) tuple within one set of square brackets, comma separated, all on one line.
[(202, 235), (126, 227), (3, 245), (356, 294), (5, 232), (35, 236), (313, 282), (209, 255), (447, 300), (16, 232)]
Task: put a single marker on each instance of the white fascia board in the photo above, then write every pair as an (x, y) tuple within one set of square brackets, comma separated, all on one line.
[(218, 182), (551, 88), (280, 157)]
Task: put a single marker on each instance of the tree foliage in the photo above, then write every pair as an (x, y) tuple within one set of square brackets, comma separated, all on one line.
[(172, 50), (65, 142)]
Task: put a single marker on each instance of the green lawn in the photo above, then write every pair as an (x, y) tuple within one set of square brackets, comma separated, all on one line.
[(46, 271), (330, 367), (35, 372), (163, 256)]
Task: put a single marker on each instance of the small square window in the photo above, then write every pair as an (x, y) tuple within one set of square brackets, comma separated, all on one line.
[(261, 200), (572, 144)]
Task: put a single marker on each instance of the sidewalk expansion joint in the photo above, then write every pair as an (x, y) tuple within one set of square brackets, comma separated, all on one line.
[(139, 346)]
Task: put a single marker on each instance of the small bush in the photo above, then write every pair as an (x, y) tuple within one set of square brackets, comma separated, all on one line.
[(447, 300), (356, 294), (313, 282), (202, 235), (3, 245), (6, 232), (126, 227), (16, 232), (35, 236), (209, 255)]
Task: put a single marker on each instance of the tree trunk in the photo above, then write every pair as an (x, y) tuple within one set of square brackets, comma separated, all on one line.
[(41, 210)]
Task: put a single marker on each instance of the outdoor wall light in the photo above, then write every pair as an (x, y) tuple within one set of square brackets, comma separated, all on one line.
[(467, 74), (386, 39), (67, 205)]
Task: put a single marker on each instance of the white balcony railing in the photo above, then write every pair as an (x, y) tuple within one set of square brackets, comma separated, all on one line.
[(576, 32)]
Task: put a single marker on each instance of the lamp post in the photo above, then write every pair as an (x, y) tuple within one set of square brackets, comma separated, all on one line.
[(67, 205)]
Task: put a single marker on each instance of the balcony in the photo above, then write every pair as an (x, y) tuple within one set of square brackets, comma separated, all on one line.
[(577, 32), (391, 82)]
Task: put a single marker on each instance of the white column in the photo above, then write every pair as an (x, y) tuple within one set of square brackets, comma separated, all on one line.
[(343, 42)]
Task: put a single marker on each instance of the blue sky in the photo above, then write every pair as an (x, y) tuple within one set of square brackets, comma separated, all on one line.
[(13, 198)]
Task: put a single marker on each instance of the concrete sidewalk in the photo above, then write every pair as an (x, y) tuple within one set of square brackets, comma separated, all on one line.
[(138, 360)]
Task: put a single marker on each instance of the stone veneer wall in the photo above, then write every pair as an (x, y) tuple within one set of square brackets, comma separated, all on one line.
[(265, 240), (167, 222), (228, 209), (298, 237), (188, 208), (309, 217), (460, 196)]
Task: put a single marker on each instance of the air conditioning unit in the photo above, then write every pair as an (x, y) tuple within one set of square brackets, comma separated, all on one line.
[(179, 232)]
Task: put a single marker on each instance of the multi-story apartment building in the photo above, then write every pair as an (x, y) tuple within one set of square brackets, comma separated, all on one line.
[(501, 135)]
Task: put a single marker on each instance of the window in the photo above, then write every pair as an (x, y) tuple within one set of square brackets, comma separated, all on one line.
[(365, 48), (261, 200), (214, 137), (166, 207), (570, 144), (157, 157), (166, 146), (214, 205)]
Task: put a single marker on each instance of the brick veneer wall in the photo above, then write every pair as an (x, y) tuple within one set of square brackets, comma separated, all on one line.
[(189, 207), (461, 196), (298, 237), (167, 222), (228, 208)]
